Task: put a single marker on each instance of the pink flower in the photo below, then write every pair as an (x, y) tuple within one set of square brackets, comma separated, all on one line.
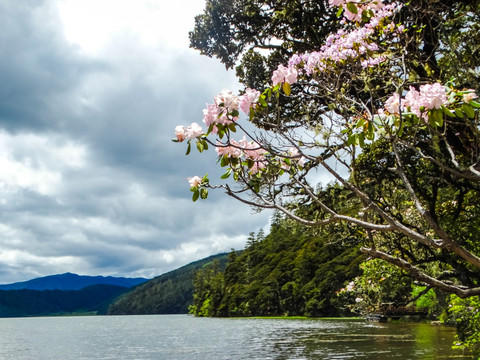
[(392, 105), (194, 131), (430, 96), (336, 2), (285, 74), (412, 101), (195, 181), (352, 16), (227, 100), (210, 114), (469, 96), (180, 133), (433, 96), (257, 166), (252, 150), (292, 74), (246, 100), (231, 151)]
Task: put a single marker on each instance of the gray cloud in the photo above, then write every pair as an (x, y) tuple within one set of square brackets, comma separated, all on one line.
[(90, 181)]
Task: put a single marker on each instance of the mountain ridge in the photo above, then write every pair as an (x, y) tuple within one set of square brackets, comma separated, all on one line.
[(71, 281)]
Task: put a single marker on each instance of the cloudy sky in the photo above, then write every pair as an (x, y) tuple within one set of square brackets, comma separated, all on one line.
[(90, 182)]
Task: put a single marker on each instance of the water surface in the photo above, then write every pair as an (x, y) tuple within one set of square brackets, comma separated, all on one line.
[(185, 337)]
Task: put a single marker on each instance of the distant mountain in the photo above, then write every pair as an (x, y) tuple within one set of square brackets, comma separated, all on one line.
[(69, 281), (170, 293), (92, 299)]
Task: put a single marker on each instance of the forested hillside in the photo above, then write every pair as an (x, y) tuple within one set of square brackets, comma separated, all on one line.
[(92, 299), (294, 270), (170, 293)]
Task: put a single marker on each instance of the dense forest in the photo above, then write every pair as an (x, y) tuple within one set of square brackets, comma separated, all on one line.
[(170, 293), (92, 299), (294, 270)]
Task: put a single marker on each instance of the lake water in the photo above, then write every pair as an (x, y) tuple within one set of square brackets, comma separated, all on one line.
[(187, 337)]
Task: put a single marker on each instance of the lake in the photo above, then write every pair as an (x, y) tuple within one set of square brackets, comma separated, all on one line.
[(185, 337)]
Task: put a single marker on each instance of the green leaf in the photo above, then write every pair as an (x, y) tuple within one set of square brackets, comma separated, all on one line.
[(459, 113), (352, 8), (262, 101), (224, 162), (361, 139), (352, 139), (474, 103), (205, 179), (235, 113), (367, 15), (448, 112), (287, 89), (232, 127), (436, 118), (468, 110), (235, 176), (226, 175), (204, 193), (195, 196), (210, 129), (199, 146), (360, 123), (339, 12), (189, 148)]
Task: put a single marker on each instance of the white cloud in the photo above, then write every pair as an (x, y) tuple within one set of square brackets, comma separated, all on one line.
[(93, 23), (90, 181), (36, 163)]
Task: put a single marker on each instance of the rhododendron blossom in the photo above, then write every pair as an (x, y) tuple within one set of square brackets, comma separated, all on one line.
[(227, 100), (469, 96), (232, 150), (285, 74), (248, 99), (252, 150), (348, 44), (181, 133), (295, 155), (195, 181), (193, 131), (392, 105), (221, 111), (430, 96)]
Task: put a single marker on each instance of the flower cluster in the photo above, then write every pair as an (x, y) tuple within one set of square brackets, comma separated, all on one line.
[(249, 150), (285, 74), (354, 11), (188, 133), (292, 154), (224, 111), (352, 44), (195, 181), (418, 102)]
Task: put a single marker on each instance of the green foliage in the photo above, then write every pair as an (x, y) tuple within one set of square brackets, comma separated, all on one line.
[(465, 314), (227, 29), (92, 299), (170, 293)]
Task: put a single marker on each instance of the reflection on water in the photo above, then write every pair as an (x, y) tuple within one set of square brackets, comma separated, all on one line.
[(360, 340), (184, 337)]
